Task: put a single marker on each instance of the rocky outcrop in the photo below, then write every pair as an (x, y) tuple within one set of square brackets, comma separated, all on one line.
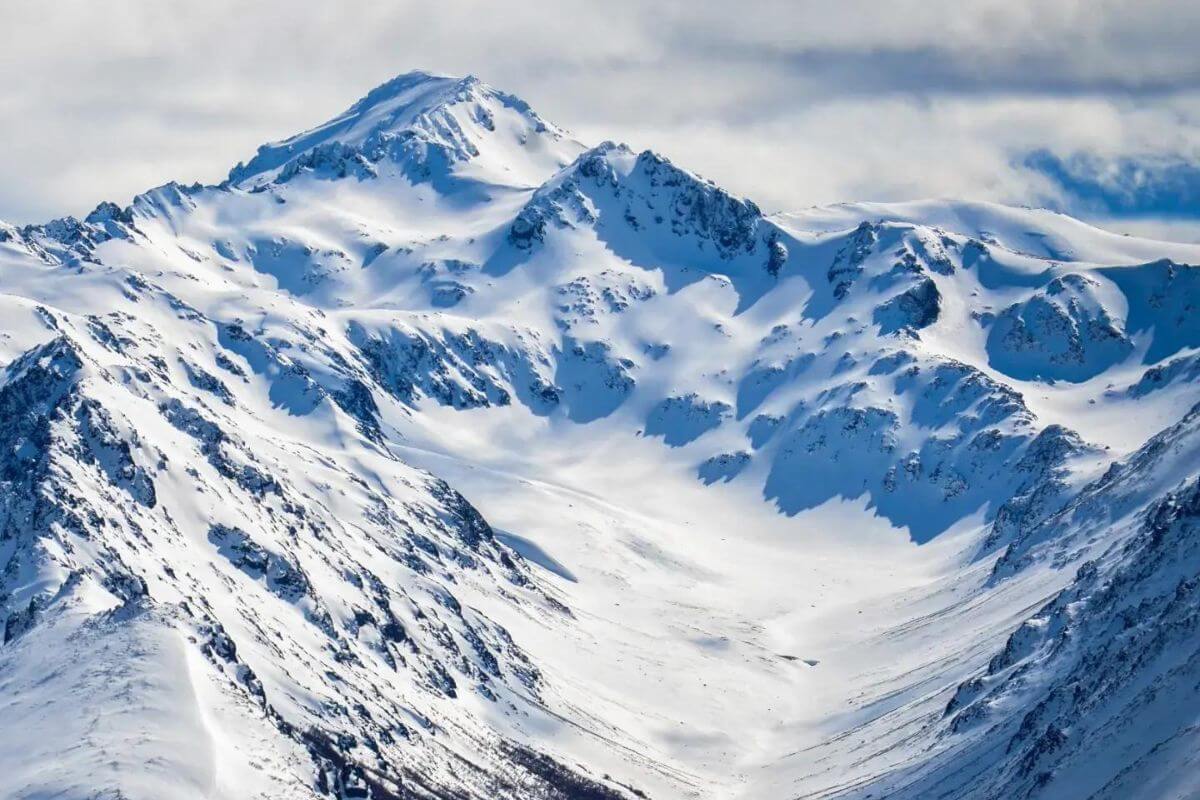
[(1064, 331), (644, 196)]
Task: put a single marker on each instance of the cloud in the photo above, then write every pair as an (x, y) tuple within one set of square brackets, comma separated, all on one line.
[(1125, 185), (792, 103), (894, 147)]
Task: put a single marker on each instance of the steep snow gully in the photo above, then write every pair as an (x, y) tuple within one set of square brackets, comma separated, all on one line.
[(435, 454)]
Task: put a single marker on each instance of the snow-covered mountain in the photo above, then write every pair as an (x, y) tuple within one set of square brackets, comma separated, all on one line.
[(437, 455)]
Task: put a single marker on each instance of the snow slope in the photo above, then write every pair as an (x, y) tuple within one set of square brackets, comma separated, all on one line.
[(862, 501)]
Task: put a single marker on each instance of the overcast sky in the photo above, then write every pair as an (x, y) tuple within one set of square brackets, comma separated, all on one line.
[(1089, 106)]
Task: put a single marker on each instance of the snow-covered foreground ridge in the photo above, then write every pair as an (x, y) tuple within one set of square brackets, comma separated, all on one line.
[(437, 455)]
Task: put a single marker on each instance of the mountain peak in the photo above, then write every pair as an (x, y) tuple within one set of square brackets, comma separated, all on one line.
[(681, 216), (414, 110), (417, 91)]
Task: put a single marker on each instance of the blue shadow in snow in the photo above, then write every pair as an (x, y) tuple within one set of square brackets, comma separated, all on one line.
[(532, 552)]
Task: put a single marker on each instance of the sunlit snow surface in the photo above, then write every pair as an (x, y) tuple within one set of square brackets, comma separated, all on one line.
[(789, 506)]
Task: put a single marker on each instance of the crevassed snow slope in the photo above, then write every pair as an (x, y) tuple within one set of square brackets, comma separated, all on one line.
[(758, 506)]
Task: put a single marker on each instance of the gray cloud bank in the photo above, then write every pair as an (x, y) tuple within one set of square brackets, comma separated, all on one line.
[(1058, 102)]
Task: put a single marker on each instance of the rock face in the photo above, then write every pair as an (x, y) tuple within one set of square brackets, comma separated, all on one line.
[(911, 310), (294, 602), (1107, 665), (847, 265), (947, 448), (642, 201), (1063, 331)]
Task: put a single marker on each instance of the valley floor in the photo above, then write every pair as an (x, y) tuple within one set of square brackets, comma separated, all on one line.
[(721, 658)]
